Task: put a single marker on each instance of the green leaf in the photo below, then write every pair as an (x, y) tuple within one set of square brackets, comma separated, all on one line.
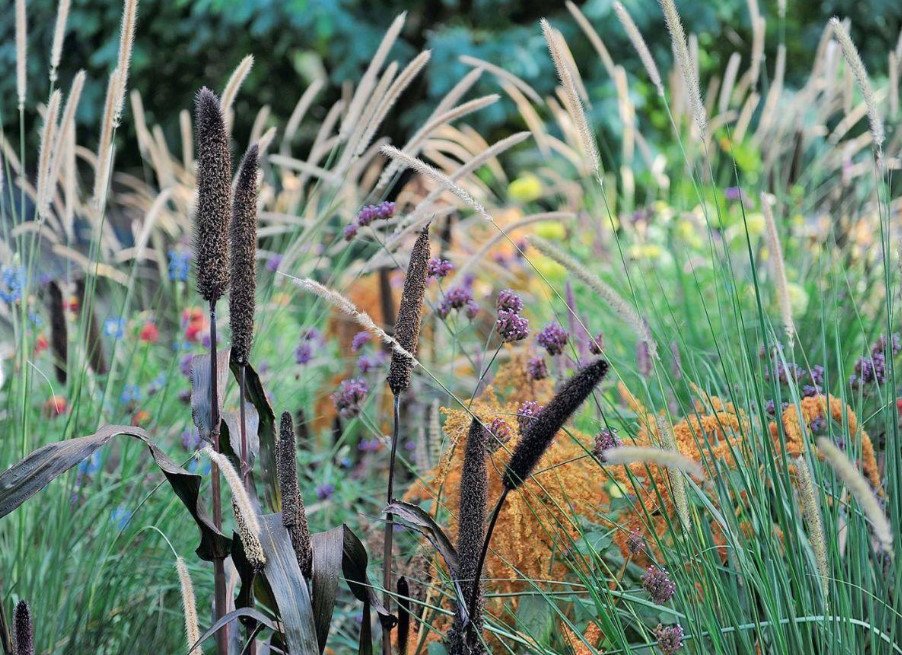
[(536, 618)]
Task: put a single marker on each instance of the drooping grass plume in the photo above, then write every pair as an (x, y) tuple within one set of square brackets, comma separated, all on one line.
[(779, 267), (59, 35), (684, 63), (245, 515), (661, 457), (407, 326), (858, 486), (635, 37), (620, 306), (811, 511), (21, 52), (853, 60), (189, 606), (214, 182), (678, 485), (230, 92), (464, 638), (24, 629), (425, 169), (347, 308), (126, 42), (559, 56), (93, 342), (105, 145), (59, 343), (294, 516), (540, 432), (46, 151)]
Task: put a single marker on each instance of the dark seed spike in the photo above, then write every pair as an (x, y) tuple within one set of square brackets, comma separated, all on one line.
[(464, 639), (407, 327), (403, 615), (59, 342), (540, 432), (214, 191), (242, 300), (24, 629), (94, 343), (294, 518)]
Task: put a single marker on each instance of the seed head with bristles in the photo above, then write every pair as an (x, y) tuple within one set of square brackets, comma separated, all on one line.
[(244, 257), (245, 516), (540, 432), (635, 37), (853, 60), (24, 629), (214, 182), (665, 457), (407, 326), (294, 517), (189, 605), (812, 514), (858, 486), (470, 537)]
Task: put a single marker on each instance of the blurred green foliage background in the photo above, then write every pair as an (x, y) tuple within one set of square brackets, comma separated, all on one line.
[(184, 44)]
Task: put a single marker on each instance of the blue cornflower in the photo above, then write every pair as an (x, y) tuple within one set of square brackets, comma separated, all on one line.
[(12, 282), (131, 393), (179, 264), (114, 327)]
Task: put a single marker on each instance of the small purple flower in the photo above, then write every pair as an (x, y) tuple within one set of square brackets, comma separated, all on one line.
[(880, 345), (325, 491), (817, 375), (635, 543), (553, 338), (191, 439), (643, 359), (732, 193), (526, 413), (349, 232), (509, 301), (437, 267), (670, 638), (366, 216), (500, 432), (382, 211), (367, 363), (658, 584), (770, 407), (349, 396), (596, 345), (536, 368), (360, 340), (603, 441), (303, 353), (458, 298), (511, 326), (369, 445), (273, 263), (186, 364), (818, 424), (810, 390)]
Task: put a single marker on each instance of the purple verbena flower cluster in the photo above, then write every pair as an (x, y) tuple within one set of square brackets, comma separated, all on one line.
[(604, 440), (553, 338), (459, 298), (670, 638), (526, 413), (439, 268), (657, 583), (509, 301), (536, 368), (500, 432), (872, 370), (350, 394), (367, 215)]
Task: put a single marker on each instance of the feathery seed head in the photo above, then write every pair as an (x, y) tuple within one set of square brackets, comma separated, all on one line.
[(244, 257), (189, 605), (294, 517), (214, 183), (541, 431), (407, 327)]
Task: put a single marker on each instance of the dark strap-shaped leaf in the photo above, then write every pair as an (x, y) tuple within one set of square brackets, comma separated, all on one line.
[(353, 565), (366, 632), (242, 612), (288, 587), (232, 418), (328, 553), (418, 519), (403, 615), (200, 390), (266, 434), (23, 480)]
